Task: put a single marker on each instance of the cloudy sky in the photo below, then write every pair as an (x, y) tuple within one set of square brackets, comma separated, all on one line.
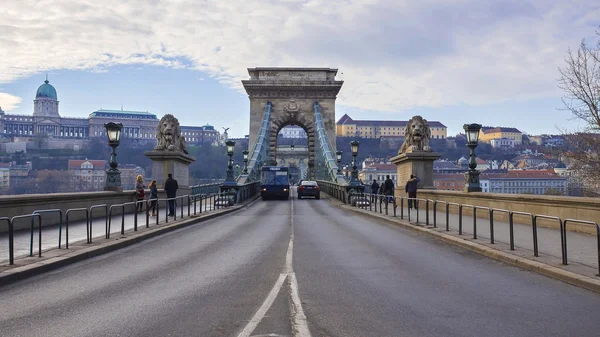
[(456, 61)]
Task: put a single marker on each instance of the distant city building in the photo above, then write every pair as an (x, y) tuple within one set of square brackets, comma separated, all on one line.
[(446, 166), (449, 181), (293, 131), (505, 143), (47, 122), (19, 173), (533, 160), (87, 175), (537, 182), (488, 133), (129, 173), (378, 171), (4, 176), (348, 127)]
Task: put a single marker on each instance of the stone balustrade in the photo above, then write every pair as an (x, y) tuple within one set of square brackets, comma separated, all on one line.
[(579, 208)]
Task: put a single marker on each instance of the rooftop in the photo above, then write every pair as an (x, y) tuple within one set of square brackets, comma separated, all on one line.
[(107, 113), (493, 129), (76, 163), (348, 120)]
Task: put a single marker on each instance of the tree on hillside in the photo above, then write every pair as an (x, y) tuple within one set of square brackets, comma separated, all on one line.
[(580, 80)]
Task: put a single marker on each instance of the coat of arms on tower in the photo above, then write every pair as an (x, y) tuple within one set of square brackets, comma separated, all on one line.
[(292, 109)]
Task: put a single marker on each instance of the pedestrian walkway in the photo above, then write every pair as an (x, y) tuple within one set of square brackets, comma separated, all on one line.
[(78, 232), (582, 248)]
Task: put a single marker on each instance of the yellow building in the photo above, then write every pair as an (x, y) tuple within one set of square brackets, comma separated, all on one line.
[(348, 127), (487, 133)]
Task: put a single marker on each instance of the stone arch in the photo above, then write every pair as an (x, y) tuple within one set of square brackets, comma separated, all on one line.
[(301, 120)]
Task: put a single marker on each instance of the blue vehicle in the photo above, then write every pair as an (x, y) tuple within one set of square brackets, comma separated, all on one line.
[(275, 182)]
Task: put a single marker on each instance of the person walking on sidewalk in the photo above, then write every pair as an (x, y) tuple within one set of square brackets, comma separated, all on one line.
[(171, 187), (374, 189), (153, 196), (411, 189)]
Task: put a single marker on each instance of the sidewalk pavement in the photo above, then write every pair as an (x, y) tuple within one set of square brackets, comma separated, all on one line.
[(582, 248), (78, 233), (53, 258)]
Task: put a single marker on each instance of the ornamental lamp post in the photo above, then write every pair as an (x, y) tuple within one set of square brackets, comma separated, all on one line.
[(472, 132), (230, 180), (338, 158), (113, 175), (354, 175), (245, 154)]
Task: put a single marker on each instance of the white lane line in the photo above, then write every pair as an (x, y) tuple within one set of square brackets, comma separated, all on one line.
[(300, 328), (290, 252), (263, 308), (300, 322)]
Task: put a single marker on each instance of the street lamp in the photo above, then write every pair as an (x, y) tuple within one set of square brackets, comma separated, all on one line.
[(338, 157), (113, 175), (245, 154), (354, 177), (472, 132), (230, 180)]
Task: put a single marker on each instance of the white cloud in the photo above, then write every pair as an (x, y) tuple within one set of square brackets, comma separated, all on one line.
[(9, 102), (394, 54)]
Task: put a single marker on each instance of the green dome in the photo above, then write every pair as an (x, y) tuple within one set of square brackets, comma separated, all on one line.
[(46, 90)]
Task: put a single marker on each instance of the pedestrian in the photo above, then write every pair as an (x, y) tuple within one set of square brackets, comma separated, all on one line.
[(411, 189), (388, 188), (153, 197), (139, 188), (381, 192), (171, 187), (374, 189)]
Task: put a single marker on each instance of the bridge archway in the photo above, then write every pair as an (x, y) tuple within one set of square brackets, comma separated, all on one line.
[(289, 94), (307, 125)]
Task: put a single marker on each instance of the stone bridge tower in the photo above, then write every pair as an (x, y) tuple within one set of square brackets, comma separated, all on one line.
[(292, 93)]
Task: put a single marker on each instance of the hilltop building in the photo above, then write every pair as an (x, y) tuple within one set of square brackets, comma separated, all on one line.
[(348, 127), (47, 122), (501, 134)]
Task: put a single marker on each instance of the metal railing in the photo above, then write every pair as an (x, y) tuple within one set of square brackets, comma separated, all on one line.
[(384, 201), (203, 202), (87, 222)]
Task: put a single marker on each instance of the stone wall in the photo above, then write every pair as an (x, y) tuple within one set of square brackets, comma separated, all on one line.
[(563, 207)]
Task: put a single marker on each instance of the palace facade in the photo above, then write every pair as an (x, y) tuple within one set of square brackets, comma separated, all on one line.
[(47, 122)]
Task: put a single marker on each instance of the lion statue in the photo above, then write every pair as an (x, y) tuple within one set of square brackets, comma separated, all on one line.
[(416, 136), (168, 135)]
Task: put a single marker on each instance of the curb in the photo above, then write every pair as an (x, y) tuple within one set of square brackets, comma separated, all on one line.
[(582, 281), (33, 269)]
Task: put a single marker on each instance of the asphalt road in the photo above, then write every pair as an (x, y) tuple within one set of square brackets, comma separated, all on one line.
[(355, 277)]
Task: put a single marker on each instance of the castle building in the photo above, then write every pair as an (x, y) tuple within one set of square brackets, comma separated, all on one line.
[(47, 122), (348, 127), (487, 134)]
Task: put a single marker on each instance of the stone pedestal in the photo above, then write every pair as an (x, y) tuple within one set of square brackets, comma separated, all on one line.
[(177, 163), (418, 163)]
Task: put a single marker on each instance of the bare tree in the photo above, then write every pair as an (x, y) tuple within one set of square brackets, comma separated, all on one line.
[(580, 80)]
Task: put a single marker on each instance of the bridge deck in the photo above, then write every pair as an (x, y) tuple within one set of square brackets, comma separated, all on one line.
[(352, 275), (581, 247)]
